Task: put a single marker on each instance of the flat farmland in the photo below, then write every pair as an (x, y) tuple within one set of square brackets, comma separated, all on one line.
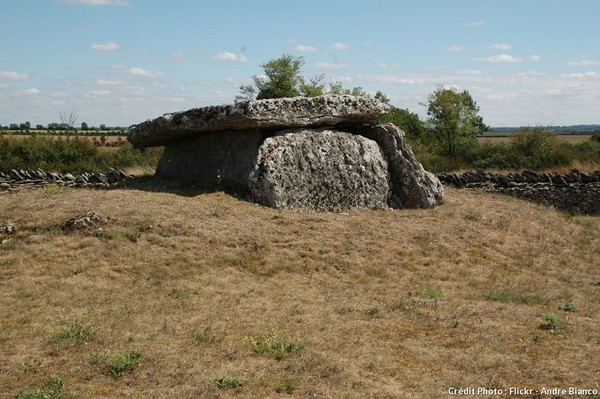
[(569, 138)]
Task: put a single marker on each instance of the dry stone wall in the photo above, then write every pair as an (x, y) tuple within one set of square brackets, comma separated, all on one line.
[(574, 192), (18, 179)]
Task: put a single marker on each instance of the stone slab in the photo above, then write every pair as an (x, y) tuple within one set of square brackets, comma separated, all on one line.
[(268, 114)]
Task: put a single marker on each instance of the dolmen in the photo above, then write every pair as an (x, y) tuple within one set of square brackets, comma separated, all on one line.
[(305, 153)]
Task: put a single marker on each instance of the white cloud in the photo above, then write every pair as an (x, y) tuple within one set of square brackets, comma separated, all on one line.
[(534, 58), (470, 72), (501, 59), (457, 48), (385, 66), (339, 46), (303, 48), (111, 82), (584, 75), (331, 66), (177, 55), (145, 73), (33, 91), (101, 3), (12, 75), (110, 46), (501, 46), (227, 56), (584, 63)]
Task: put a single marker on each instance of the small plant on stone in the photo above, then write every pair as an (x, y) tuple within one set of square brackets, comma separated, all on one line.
[(229, 383)]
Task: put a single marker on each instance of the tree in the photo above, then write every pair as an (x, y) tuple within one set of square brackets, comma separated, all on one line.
[(408, 121), (69, 120), (84, 126), (282, 78), (453, 121)]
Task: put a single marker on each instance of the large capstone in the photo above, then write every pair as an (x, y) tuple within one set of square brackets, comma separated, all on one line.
[(269, 114), (320, 170)]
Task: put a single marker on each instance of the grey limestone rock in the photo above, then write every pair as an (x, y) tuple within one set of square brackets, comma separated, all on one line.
[(306, 169), (269, 114), (411, 185)]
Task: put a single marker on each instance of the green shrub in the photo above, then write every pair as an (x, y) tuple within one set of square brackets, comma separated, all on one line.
[(72, 155)]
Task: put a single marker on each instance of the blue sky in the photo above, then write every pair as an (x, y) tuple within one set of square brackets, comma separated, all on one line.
[(120, 62)]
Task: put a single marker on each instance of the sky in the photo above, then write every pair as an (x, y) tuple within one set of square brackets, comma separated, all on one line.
[(121, 62)]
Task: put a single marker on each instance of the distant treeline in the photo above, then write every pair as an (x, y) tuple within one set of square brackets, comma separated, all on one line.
[(572, 129)]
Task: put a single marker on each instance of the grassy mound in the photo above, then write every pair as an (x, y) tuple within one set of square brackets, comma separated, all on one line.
[(184, 295)]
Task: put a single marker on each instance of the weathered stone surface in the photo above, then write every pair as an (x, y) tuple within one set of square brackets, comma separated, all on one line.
[(411, 185), (219, 158), (327, 170), (88, 221), (268, 114)]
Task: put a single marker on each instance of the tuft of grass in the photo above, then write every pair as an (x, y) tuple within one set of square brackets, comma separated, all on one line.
[(433, 293), (568, 307), (288, 386), (553, 322), (229, 383), (119, 363), (205, 337), (52, 389), (516, 297), (75, 331), (51, 190), (276, 344)]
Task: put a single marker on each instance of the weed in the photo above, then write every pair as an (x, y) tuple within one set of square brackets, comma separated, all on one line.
[(51, 190), (279, 345), (516, 297), (176, 293), (119, 363), (433, 293), (374, 311), (229, 383), (120, 234), (205, 337), (568, 307), (553, 322), (53, 389), (288, 386), (75, 331)]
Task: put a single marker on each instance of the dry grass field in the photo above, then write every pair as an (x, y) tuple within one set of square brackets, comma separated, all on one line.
[(567, 138), (189, 295)]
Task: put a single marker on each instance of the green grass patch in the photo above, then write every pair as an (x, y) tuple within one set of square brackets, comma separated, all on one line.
[(516, 297), (229, 383), (119, 363), (75, 331), (52, 389), (276, 344)]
